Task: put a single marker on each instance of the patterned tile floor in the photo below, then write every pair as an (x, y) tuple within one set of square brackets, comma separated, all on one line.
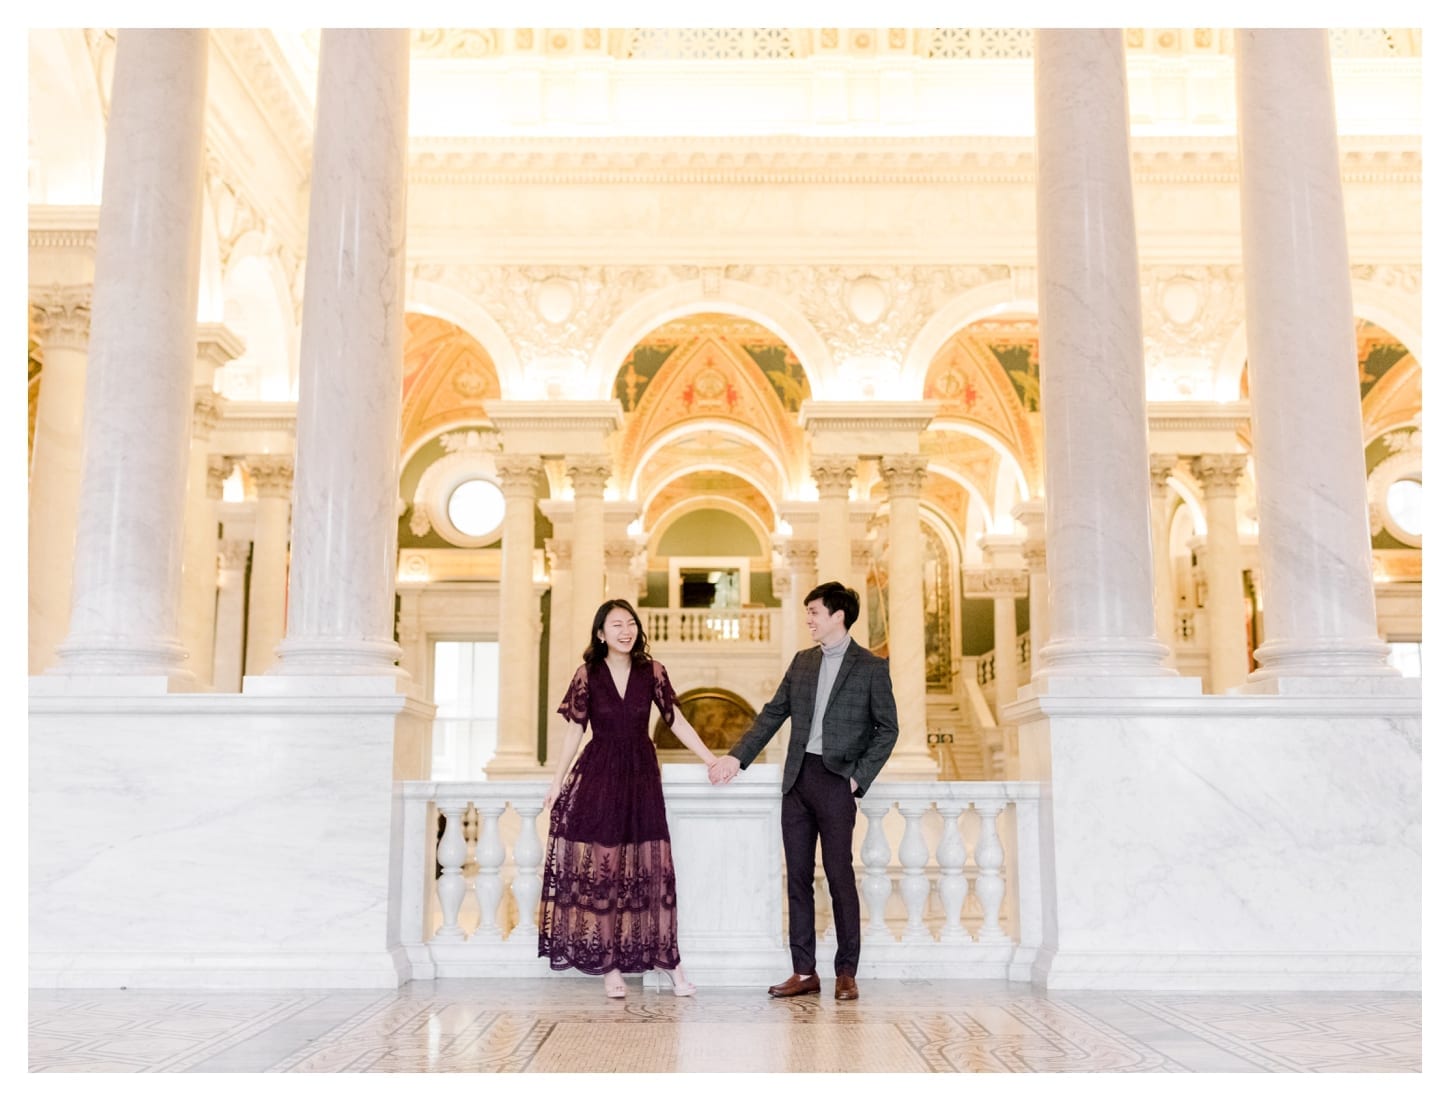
[(565, 1024)]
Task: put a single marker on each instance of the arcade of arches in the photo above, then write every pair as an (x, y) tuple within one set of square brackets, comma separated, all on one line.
[(700, 361)]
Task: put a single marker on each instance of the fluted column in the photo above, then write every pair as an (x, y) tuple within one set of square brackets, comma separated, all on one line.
[(62, 320), (1100, 571), (345, 521), (231, 613), (1227, 639), (126, 592), (906, 616), (198, 557), (1031, 515), (267, 604), (588, 474), (1165, 608), (1004, 553), (564, 647), (833, 474), (517, 614), (1314, 546)]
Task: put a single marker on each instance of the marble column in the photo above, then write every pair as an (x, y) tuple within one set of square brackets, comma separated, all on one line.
[(618, 561), (564, 648), (1004, 555), (862, 555), (588, 474), (833, 474), (231, 614), (1314, 545), (906, 617), (62, 322), (267, 605), (1228, 655), (126, 589), (1100, 572), (198, 556), (800, 563), (1165, 607), (345, 519), (1032, 516), (517, 614)]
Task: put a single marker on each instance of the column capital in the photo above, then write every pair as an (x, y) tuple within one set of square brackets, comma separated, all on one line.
[(588, 474), (205, 412), (799, 555), (61, 315), (861, 554), (618, 553), (517, 474), (1219, 474), (903, 474), (833, 474), (1160, 466), (271, 474), (560, 553), (218, 470)]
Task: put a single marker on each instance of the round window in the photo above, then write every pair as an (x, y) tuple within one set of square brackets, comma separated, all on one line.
[(475, 507), (1402, 501)]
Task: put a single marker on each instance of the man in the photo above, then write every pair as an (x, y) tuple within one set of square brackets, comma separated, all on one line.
[(842, 727)]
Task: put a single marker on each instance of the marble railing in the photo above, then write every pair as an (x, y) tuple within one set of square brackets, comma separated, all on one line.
[(987, 663), (948, 874), (676, 626)]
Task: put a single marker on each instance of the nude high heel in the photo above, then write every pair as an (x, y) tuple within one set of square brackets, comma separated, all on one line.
[(684, 988)]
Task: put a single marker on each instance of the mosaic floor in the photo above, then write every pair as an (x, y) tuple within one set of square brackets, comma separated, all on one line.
[(565, 1024)]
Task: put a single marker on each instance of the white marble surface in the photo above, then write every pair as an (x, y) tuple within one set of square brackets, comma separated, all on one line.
[(904, 475), (344, 539), (199, 556), (1219, 475), (126, 594), (200, 840), (518, 650), (1100, 570), (1314, 548), (1228, 843)]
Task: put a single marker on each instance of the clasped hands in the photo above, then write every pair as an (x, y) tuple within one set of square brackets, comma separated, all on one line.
[(726, 768)]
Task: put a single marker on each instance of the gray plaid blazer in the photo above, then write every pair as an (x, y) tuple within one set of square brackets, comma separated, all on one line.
[(859, 726)]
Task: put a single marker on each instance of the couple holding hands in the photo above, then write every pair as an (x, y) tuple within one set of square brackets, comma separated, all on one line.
[(609, 905)]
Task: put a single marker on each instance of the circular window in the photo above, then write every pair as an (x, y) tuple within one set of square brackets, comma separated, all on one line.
[(475, 507), (1402, 502)]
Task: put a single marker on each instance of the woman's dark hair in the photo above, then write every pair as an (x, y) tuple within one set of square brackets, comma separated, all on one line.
[(596, 650), (837, 598)]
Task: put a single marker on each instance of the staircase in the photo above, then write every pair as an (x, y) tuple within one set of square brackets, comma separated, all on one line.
[(959, 743)]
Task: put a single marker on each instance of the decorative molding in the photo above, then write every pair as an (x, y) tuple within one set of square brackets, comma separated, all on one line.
[(1219, 474), (259, 416), (560, 553), (271, 474), (61, 315), (877, 416), (218, 470), (978, 580), (517, 475), (546, 416), (903, 475), (780, 160), (263, 70), (588, 474), (1219, 416), (1160, 468), (833, 474), (205, 412)]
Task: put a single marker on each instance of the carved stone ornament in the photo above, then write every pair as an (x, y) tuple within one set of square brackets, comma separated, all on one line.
[(61, 315), (833, 474), (1219, 474), (903, 474), (271, 474)]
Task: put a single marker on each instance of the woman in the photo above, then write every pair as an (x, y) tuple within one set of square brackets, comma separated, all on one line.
[(608, 904)]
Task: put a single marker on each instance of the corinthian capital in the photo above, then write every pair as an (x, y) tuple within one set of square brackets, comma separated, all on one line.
[(61, 315), (1219, 474), (1160, 466), (271, 474), (218, 470), (833, 474), (903, 474), (518, 474), (205, 412), (588, 474)]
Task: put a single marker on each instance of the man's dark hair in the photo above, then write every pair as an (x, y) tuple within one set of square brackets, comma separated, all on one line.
[(837, 598)]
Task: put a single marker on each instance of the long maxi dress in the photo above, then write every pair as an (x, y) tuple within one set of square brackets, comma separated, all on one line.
[(608, 900)]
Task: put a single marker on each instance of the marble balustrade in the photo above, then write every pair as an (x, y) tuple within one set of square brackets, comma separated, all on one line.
[(942, 889), (711, 625)]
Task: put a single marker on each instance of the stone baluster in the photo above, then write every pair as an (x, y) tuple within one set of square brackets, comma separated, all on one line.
[(452, 854), (875, 856), (914, 886), (528, 855), (951, 857), (990, 884), (489, 855)]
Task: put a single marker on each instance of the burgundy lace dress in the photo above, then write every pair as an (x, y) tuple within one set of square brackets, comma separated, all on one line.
[(609, 880)]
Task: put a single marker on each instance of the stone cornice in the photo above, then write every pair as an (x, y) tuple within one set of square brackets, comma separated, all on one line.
[(63, 227), (858, 160), (866, 416), (1192, 415), (600, 416), (275, 416)]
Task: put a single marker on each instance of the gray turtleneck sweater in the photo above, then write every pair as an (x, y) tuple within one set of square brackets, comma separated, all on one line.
[(830, 666)]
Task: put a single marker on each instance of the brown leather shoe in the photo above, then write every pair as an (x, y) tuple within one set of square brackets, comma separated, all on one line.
[(846, 988), (797, 984)]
